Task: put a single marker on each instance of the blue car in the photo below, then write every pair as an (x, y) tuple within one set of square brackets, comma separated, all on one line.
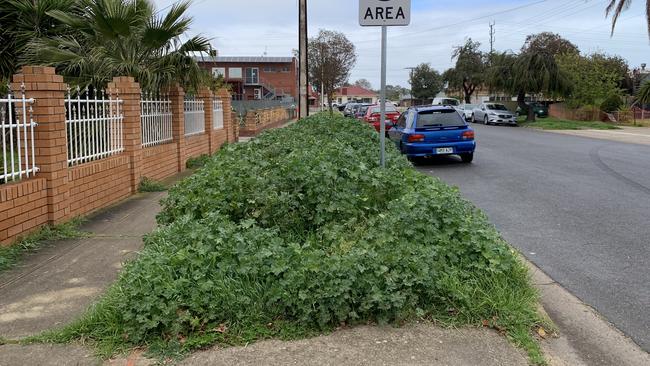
[(432, 131)]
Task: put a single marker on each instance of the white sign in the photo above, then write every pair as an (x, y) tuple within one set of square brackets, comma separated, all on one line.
[(384, 12)]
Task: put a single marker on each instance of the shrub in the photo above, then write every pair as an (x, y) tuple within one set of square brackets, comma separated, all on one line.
[(150, 185), (198, 162), (299, 231), (611, 104)]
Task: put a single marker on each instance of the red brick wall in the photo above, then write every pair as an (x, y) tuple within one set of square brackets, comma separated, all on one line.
[(159, 162), (23, 208), (219, 137), (99, 184), (196, 145)]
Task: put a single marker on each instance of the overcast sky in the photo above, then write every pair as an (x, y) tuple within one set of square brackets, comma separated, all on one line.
[(256, 27)]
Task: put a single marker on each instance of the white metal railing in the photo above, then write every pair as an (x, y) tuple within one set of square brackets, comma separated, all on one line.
[(17, 123), (155, 120), (94, 125), (217, 113), (194, 117)]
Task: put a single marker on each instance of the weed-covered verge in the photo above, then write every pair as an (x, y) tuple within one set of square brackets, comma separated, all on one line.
[(298, 232)]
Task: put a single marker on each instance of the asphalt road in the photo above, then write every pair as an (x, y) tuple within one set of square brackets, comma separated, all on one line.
[(578, 208)]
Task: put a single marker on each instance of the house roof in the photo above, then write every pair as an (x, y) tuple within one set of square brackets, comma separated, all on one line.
[(354, 90), (244, 59)]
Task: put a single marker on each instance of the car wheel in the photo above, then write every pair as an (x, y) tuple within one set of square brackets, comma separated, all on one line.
[(467, 158), (473, 119), (486, 121)]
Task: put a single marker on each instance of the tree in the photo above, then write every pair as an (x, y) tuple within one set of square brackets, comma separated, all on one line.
[(363, 83), (550, 43), (616, 8), (618, 66), (593, 79), (425, 82), (107, 38), (22, 21), (394, 92), (469, 71), (527, 73), (331, 58), (643, 95)]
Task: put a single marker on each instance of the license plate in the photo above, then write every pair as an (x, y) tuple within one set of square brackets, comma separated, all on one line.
[(445, 150)]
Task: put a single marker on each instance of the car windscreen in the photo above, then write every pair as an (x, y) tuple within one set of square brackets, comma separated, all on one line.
[(363, 110), (469, 107), (389, 109), (439, 118), (497, 107), (452, 102)]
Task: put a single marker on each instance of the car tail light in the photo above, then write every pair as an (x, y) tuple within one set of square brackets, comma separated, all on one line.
[(468, 135), (416, 138)]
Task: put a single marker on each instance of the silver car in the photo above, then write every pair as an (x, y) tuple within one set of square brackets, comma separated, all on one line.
[(467, 111), (493, 113)]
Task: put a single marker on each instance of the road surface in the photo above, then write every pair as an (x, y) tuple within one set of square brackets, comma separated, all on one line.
[(578, 208)]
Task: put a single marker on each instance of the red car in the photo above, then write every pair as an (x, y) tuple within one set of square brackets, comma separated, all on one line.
[(374, 112)]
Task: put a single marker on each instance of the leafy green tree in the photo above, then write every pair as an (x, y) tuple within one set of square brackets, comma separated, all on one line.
[(593, 80), (525, 74), (643, 95), (363, 83), (469, 71), (616, 7), (548, 42), (394, 92), (22, 21), (425, 82), (331, 58), (107, 38), (618, 66)]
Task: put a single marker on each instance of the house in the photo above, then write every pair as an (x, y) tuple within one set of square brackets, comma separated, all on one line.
[(354, 93), (253, 78)]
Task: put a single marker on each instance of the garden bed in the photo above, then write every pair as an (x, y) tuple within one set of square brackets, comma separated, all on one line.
[(299, 232)]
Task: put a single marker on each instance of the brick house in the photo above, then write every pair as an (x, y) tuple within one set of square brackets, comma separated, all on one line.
[(254, 78), (355, 94)]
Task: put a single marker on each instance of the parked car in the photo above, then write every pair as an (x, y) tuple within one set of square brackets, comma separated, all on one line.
[(446, 101), (342, 106), (349, 109), (373, 116), (468, 111), (494, 113), (433, 131), (540, 110), (360, 112)]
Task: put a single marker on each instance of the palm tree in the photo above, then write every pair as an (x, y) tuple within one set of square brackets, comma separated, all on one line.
[(525, 74), (643, 95), (616, 7), (108, 38), (22, 21)]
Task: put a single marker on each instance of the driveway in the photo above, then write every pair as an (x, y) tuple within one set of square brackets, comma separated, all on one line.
[(577, 207), (634, 135)]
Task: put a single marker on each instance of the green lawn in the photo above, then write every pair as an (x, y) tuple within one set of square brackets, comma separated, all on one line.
[(551, 123)]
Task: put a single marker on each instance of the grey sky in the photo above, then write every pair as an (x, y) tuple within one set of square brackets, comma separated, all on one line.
[(253, 27)]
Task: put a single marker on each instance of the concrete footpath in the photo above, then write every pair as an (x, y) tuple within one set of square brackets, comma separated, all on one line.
[(632, 135), (55, 285)]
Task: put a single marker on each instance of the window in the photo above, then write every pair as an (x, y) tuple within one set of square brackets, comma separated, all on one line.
[(445, 118), (252, 75), (218, 71), (284, 69), (269, 69), (401, 122), (234, 73)]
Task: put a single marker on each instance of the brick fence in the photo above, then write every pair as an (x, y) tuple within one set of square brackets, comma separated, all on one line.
[(62, 190), (257, 121), (560, 110)]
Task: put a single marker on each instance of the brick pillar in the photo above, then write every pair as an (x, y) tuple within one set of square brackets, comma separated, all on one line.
[(230, 124), (177, 97), (205, 95), (48, 91), (130, 93)]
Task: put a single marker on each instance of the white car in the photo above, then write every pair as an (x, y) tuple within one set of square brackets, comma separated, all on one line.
[(468, 111), (494, 113)]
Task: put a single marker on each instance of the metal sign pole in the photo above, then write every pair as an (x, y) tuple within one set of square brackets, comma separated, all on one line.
[(382, 119)]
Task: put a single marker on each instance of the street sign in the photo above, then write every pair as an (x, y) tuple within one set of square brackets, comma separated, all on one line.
[(384, 12)]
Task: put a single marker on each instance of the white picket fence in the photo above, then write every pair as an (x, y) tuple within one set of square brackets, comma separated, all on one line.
[(94, 125), (155, 120), (217, 112), (194, 116), (17, 124)]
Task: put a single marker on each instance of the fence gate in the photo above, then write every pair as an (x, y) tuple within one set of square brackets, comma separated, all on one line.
[(17, 123)]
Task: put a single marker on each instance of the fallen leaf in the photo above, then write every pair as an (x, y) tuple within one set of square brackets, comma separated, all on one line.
[(485, 323), (542, 332), (222, 328)]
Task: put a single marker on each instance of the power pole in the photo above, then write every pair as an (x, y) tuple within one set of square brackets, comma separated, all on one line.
[(303, 97), (492, 33)]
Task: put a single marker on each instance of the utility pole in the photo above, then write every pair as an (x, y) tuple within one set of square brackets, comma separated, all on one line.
[(303, 97), (411, 83), (492, 33)]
